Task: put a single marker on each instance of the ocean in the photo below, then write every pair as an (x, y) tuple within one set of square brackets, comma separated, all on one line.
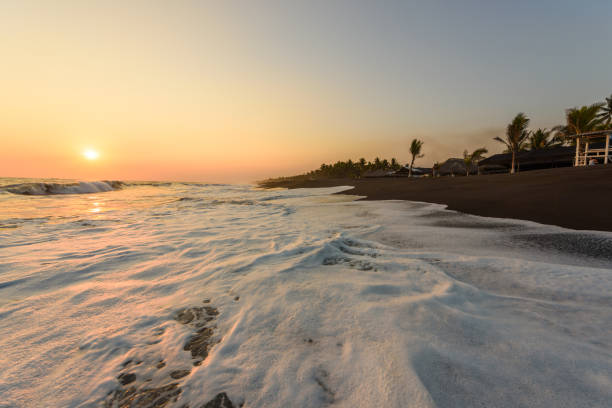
[(174, 294)]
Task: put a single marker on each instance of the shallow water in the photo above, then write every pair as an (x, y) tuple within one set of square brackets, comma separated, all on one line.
[(312, 300)]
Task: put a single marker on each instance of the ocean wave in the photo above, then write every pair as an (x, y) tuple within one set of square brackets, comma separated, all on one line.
[(82, 187), (172, 183), (148, 183)]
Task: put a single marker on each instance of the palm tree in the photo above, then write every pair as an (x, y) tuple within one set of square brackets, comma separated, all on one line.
[(580, 120), (516, 135), (415, 151), (559, 135), (474, 158), (377, 163), (606, 112), (540, 139), (362, 166), (394, 164)]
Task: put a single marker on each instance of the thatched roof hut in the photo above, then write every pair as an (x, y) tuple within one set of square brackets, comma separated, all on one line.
[(455, 166), (562, 156)]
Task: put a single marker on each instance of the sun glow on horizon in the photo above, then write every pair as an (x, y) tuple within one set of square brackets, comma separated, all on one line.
[(90, 154), (222, 92)]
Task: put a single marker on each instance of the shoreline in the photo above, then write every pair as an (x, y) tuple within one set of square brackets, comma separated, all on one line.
[(578, 198)]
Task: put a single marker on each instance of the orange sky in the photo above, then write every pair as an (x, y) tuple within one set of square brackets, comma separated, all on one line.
[(210, 91)]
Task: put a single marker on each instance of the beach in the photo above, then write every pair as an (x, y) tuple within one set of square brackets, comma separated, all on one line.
[(574, 197), (392, 258), (192, 295)]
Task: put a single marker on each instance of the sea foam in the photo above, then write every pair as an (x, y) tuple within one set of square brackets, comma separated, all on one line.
[(295, 298)]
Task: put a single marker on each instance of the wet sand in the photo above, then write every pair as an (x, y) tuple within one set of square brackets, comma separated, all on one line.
[(135, 390), (577, 198)]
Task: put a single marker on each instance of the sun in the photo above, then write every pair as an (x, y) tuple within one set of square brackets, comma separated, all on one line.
[(90, 154)]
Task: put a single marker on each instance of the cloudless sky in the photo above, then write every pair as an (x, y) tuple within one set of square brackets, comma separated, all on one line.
[(235, 91)]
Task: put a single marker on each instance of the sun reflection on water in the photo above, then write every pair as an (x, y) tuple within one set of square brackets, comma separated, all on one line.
[(96, 207)]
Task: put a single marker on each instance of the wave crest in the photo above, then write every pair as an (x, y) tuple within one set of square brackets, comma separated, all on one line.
[(82, 187)]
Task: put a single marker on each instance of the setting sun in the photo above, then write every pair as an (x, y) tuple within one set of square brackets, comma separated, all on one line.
[(271, 203), (91, 154)]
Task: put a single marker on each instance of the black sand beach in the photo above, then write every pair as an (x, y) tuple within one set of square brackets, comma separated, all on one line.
[(575, 197)]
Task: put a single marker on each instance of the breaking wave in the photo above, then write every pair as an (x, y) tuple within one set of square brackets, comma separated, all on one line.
[(82, 187)]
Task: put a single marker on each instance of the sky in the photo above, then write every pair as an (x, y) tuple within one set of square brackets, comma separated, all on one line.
[(237, 91)]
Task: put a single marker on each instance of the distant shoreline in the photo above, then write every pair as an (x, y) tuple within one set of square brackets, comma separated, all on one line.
[(574, 197)]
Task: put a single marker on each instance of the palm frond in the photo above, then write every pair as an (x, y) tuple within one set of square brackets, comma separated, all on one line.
[(479, 153), (415, 147), (499, 139), (583, 119)]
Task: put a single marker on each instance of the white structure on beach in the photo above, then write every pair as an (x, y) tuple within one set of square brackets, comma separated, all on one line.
[(585, 152)]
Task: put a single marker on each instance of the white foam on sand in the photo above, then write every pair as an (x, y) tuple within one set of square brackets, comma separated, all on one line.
[(322, 301)]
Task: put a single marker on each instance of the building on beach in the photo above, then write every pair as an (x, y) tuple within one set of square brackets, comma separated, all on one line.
[(592, 148), (416, 171), (562, 156)]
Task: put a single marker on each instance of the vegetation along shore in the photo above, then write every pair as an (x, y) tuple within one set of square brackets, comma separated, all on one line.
[(556, 192)]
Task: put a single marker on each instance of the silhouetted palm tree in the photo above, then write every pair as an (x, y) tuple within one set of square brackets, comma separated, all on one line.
[(516, 136), (362, 163), (394, 164), (540, 139), (580, 120), (415, 151), (474, 158), (606, 112), (377, 163)]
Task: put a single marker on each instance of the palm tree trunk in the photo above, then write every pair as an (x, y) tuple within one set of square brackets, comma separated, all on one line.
[(410, 169), (513, 159)]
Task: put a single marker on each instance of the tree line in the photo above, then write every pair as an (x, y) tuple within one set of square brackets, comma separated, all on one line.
[(518, 137), (350, 168)]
